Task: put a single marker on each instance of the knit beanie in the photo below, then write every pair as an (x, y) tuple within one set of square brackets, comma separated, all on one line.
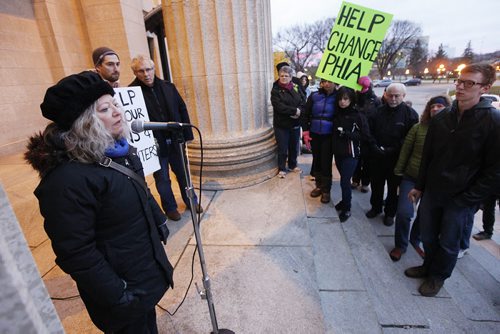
[(301, 74), (440, 100), (71, 96), (99, 54), (280, 65), (365, 82)]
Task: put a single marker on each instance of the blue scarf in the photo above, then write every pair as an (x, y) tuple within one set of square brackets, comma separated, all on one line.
[(120, 149)]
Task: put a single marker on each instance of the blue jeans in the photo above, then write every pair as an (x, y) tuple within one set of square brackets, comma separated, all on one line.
[(442, 225), (465, 241), (288, 142), (346, 167), (172, 160), (404, 215)]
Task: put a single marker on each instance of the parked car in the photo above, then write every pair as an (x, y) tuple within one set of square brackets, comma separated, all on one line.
[(495, 99), (412, 82), (382, 83)]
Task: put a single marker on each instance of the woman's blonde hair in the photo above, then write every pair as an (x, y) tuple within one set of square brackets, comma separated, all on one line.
[(88, 138)]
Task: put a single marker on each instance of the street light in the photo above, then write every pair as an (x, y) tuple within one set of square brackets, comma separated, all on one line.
[(460, 68)]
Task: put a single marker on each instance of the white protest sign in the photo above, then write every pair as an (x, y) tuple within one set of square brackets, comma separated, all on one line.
[(132, 102)]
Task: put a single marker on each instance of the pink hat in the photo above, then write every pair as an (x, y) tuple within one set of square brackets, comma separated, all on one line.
[(365, 82)]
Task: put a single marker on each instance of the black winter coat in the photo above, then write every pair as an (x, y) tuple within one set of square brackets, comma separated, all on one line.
[(346, 143), (103, 229), (388, 129), (367, 103), (462, 157), (285, 103), (164, 104)]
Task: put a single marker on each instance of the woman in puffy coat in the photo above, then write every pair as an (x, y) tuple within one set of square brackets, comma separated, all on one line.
[(407, 167), (104, 226), (350, 128), (317, 123)]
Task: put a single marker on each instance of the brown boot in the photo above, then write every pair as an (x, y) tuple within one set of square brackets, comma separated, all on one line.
[(431, 287), (325, 198), (316, 192)]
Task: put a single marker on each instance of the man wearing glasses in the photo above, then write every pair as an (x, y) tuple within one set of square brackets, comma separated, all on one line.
[(460, 168), (165, 104)]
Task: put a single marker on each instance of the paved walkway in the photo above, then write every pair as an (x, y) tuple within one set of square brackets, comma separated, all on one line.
[(281, 262)]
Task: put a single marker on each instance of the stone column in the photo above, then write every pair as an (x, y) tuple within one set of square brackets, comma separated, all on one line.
[(220, 57), (25, 305)]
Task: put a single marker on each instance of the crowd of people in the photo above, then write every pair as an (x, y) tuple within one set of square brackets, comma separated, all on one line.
[(448, 161), (106, 228)]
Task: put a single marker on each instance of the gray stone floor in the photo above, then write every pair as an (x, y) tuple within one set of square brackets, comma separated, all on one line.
[(281, 262)]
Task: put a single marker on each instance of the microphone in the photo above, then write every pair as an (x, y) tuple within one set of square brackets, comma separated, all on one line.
[(139, 126)]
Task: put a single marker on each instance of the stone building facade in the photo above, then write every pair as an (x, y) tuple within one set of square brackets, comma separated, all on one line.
[(218, 53)]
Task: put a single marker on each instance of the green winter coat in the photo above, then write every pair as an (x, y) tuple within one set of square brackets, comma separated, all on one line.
[(410, 155)]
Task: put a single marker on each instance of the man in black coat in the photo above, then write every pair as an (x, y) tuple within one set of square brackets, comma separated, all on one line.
[(165, 104), (460, 169), (388, 127)]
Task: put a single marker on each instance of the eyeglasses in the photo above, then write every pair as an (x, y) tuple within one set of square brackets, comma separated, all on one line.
[(468, 83)]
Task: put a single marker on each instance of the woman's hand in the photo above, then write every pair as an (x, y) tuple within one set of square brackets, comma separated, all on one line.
[(297, 114)]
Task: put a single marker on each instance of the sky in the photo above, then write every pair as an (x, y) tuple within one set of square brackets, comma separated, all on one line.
[(451, 22)]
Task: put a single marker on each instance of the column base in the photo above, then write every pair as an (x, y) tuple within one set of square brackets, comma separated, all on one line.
[(235, 162)]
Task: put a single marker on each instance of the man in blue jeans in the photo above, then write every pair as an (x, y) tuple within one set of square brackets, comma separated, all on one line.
[(460, 168), (165, 104)]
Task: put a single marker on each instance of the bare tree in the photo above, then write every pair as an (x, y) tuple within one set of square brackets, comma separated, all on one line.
[(295, 43), (300, 42), (401, 35), (321, 33)]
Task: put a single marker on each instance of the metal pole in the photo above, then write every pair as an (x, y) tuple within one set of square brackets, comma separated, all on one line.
[(207, 293)]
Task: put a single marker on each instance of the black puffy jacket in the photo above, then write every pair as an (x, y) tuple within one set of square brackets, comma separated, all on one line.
[(103, 229), (461, 158)]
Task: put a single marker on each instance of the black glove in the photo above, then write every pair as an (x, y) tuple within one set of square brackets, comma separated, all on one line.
[(164, 232), (130, 298)]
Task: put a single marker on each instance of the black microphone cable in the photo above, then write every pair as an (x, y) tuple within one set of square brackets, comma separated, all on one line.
[(199, 223)]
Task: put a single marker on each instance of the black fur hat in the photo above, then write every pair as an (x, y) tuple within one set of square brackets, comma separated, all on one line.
[(69, 98)]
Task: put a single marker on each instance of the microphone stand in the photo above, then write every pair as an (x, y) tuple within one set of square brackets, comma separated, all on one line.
[(206, 294)]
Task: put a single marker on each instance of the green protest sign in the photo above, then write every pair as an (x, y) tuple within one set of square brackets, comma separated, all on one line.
[(353, 45)]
